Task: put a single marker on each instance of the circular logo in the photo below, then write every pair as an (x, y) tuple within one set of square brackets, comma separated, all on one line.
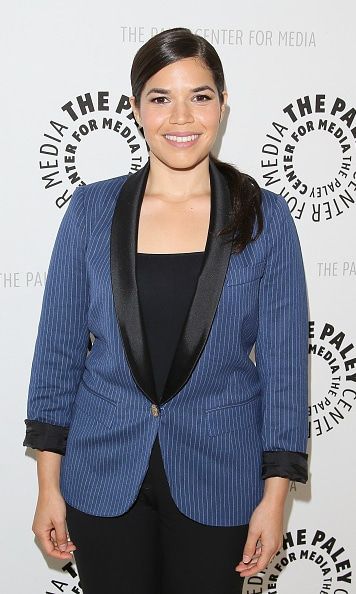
[(309, 157), (68, 582), (309, 561), (333, 372), (94, 137)]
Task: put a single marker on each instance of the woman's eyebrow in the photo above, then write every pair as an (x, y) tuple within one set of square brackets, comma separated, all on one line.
[(168, 92)]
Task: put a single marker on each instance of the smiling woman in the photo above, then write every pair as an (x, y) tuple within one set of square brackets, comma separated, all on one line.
[(179, 101), (166, 451), (171, 109)]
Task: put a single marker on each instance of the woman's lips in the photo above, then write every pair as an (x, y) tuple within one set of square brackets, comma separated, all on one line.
[(180, 142)]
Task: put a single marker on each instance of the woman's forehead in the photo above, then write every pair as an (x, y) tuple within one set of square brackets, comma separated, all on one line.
[(188, 73)]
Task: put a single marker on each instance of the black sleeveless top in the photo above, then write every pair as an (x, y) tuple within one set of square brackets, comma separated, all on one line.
[(166, 285)]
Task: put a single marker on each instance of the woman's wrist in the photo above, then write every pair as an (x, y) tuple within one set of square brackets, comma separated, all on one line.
[(48, 472), (276, 490)]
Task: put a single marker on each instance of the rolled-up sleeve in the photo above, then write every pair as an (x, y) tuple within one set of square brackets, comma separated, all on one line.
[(63, 336), (281, 351), (46, 437)]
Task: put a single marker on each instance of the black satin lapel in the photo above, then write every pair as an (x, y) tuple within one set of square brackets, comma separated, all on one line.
[(123, 248), (209, 286)]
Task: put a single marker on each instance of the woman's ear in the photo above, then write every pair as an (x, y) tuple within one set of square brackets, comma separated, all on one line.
[(135, 110), (222, 109)]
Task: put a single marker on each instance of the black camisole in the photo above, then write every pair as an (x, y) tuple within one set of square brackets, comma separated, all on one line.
[(166, 285)]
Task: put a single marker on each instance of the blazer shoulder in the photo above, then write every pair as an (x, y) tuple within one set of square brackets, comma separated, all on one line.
[(274, 207), (105, 189), (97, 200)]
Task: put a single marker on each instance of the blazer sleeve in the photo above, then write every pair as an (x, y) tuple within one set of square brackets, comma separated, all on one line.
[(63, 336), (281, 352)]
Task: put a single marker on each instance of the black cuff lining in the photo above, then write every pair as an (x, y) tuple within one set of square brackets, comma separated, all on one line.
[(292, 465), (46, 437)]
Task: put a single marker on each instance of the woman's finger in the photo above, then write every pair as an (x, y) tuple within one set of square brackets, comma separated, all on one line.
[(250, 547), (49, 548), (258, 552), (268, 552), (246, 565), (70, 545), (60, 534)]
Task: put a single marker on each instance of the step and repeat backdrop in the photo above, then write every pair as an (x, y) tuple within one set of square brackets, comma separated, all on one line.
[(291, 123)]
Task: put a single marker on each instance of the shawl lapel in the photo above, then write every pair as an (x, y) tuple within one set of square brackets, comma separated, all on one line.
[(123, 249)]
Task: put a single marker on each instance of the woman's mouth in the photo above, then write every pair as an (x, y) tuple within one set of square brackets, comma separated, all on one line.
[(182, 141)]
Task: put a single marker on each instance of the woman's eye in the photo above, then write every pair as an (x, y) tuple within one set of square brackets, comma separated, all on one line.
[(155, 99), (204, 96), (200, 98)]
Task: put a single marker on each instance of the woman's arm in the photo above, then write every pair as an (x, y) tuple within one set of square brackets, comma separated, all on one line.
[(281, 350), (266, 528), (282, 363), (49, 524), (57, 367), (63, 334), (48, 471)]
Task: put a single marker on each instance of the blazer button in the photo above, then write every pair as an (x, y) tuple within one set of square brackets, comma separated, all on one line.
[(154, 410)]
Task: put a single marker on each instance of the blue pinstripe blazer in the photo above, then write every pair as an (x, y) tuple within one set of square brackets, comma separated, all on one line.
[(219, 412)]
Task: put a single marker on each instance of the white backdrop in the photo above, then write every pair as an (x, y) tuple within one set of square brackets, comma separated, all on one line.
[(291, 123)]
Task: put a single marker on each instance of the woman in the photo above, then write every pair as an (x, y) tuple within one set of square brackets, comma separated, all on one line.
[(178, 449)]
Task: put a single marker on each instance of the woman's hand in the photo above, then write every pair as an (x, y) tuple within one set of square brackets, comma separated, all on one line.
[(265, 535), (49, 525)]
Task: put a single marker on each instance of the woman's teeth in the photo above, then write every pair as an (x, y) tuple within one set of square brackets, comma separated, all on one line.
[(182, 138)]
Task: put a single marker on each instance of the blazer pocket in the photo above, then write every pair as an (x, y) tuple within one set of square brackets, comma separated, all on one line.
[(238, 275), (234, 417), (90, 405)]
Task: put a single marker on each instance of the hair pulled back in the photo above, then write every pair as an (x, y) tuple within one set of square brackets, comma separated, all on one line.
[(170, 46)]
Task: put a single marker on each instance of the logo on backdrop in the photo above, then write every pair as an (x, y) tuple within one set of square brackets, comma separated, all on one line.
[(93, 137), (68, 582), (309, 561), (309, 157), (333, 366)]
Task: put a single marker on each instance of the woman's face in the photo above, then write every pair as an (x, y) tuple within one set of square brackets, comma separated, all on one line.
[(180, 100)]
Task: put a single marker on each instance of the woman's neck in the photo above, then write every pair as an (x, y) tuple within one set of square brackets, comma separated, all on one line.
[(177, 184)]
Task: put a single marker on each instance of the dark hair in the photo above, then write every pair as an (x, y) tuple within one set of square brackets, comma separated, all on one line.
[(170, 46)]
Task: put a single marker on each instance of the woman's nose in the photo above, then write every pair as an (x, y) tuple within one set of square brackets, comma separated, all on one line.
[(181, 113)]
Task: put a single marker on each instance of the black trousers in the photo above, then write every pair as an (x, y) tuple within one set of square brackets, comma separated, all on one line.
[(153, 548)]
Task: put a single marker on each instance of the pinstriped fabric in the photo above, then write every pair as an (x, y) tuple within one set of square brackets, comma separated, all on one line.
[(63, 334), (281, 354), (63, 330), (213, 432)]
